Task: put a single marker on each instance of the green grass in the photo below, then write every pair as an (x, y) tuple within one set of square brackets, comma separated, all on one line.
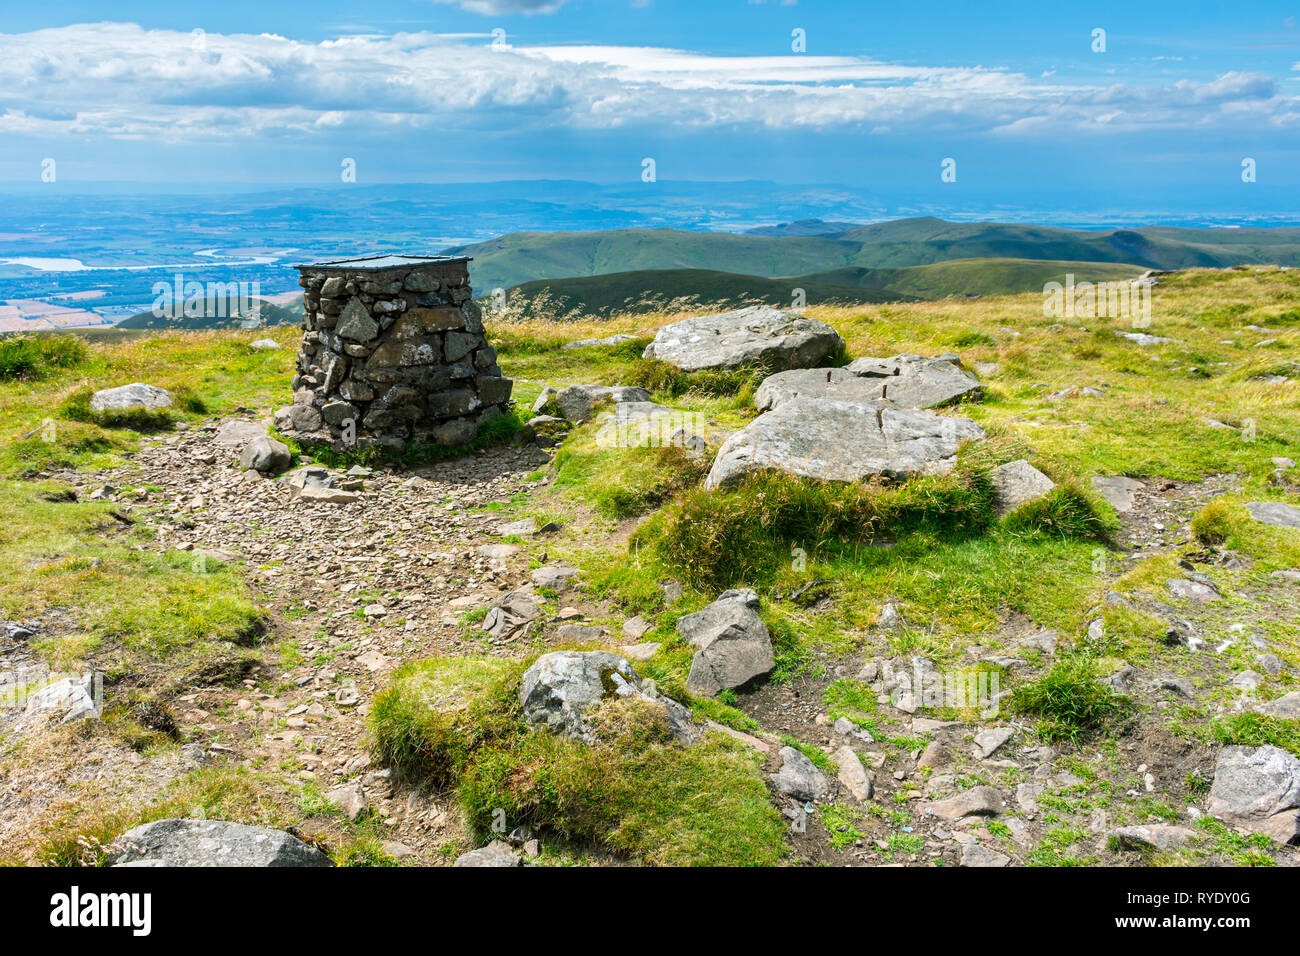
[(852, 700), (1257, 730), (1067, 511), (623, 483), (1069, 702), (455, 723), (721, 539), (1057, 849), (1225, 522), (47, 421), (1254, 849), (36, 356), (842, 823), (135, 607), (434, 713)]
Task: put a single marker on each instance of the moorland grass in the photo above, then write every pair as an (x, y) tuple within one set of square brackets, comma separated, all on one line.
[(456, 723), (36, 356), (1069, 702), (138, 607)]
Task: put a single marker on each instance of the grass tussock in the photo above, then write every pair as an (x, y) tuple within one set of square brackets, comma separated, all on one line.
[(1226, 523), (455, 723), (720, 538), (1069, 701), (624, 483), (1257, 730), (1067, 511), (435, 713), (665, 379), (38, 356)]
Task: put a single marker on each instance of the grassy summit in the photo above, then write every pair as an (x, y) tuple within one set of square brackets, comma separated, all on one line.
[(1207, 411)]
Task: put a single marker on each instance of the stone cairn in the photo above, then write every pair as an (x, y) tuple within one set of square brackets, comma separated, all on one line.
[(393, 352)]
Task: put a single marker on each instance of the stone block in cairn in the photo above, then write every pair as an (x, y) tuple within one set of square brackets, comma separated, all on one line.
[(393, 352)]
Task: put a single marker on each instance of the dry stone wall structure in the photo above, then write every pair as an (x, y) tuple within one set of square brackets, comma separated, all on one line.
[(393, 352)]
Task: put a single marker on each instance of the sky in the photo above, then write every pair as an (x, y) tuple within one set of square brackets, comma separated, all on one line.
[(1027, 99)]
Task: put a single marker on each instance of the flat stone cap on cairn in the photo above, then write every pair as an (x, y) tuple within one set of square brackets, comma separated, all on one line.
[(383, 263), (393, 354)]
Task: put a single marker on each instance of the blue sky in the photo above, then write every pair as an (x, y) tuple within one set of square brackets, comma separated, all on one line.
[(419, 91)]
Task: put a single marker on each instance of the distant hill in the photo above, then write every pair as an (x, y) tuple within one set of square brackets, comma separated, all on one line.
[(526, 256), (216, 315), (649, 290), (802, 227), (976, 276), (655, 289), (522, 257)]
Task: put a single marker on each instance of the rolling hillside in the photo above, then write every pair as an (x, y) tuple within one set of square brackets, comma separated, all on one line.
[(650, 290), (216, 315), (518, 258), (654, 289)]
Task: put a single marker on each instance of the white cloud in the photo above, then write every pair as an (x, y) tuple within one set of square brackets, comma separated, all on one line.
[(119, 80)]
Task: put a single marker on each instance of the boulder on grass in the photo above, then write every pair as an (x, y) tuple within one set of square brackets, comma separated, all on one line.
[(842, 441), (1017, 483), (838, 384), (135, 395), (562, 687), (763, 336), (578, 403), (732, 644), (915, 381)]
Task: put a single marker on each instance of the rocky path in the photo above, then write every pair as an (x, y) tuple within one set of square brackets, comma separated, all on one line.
[(352, 590)]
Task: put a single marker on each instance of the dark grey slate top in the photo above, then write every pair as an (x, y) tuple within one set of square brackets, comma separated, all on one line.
[(379, 263)]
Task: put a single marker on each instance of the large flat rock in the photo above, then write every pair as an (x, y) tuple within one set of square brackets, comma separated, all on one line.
[(212, 843), (776, 339), (842, 441), (837, 384), (1258, 789), (915, 381), (1275, 513), (1119, 491)]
